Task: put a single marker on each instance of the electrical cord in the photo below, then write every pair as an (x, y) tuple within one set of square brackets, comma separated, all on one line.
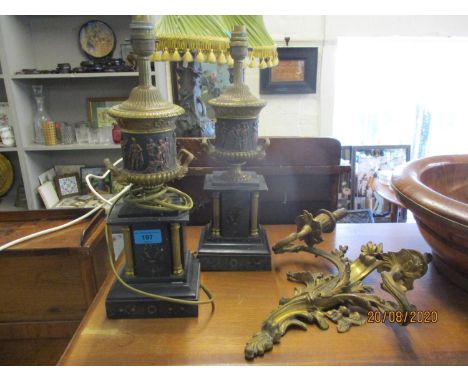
[(77, 220), (157, 199), (112, 202)]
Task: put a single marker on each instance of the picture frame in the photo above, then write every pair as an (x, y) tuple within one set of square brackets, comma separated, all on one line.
[(344, 182), (97, 110), (63, 169), (193, 85), (103, 186), (67, 185), (47, 176), (48, 194), (296, 72), (366, 161)]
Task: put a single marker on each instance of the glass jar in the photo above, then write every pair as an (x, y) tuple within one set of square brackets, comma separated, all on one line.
[(67, 134), (58, 131), (41, 117), (49, 133), (82, 132)]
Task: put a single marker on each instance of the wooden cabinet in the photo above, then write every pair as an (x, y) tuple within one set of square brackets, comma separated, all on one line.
[(48, 283)]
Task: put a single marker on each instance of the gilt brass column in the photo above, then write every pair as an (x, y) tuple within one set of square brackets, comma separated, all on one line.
[(254, 213), (215, 229), (177, 268), (127, 236)]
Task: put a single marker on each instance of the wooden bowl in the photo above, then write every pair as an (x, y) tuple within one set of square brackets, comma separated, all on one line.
[(435, 190)]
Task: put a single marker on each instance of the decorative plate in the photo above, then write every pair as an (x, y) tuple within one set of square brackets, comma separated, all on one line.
[(97, 39), (6, 175)]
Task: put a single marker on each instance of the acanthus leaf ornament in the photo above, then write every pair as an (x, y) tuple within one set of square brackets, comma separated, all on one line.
[(339, 298)]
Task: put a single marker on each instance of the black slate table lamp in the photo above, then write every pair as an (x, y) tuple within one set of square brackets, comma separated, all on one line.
[(234, 240)]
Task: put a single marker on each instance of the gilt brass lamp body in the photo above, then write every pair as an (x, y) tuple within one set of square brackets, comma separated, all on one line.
[(152, 216), (234, 240)]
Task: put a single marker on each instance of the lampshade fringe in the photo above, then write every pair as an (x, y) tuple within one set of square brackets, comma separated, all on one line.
[(165, 56), (222, 59), (200, 57), (175, 56), (206, 39), (187, 56), (211, 57)]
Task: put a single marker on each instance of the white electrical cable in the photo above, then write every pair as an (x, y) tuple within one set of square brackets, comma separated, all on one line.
[(100, 177), (58, 228)]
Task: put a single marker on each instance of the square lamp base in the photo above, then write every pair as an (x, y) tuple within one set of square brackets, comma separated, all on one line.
[(124, 303), (235, 253)]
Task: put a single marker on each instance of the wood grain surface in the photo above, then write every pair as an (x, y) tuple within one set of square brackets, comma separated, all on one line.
[(48, 283), (244, 299)]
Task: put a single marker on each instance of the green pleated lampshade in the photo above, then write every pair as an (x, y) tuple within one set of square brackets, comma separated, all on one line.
[(206, 39), (180, 37)]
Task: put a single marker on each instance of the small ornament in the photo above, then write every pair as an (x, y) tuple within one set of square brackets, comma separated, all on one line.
[(116, 133)]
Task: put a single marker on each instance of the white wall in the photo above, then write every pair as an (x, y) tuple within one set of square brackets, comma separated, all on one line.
[(298, 114), (312, 114)]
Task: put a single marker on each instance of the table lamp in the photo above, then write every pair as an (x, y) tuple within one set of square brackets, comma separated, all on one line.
[(234, 240), (160, 277)]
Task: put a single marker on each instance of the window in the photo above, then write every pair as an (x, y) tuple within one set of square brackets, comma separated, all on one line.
[(402, 90)]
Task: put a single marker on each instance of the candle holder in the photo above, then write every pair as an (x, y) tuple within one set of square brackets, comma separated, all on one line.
[(337, 298)]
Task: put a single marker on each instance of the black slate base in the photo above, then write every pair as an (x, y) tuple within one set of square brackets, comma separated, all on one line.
[(123, 303), (234, 254)]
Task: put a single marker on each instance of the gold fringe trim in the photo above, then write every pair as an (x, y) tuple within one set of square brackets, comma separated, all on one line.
[(192, 42), (262, 57)]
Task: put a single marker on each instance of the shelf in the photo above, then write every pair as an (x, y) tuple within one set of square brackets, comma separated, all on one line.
[(71, 147), (73, 75), (6, 205), (7, 149)]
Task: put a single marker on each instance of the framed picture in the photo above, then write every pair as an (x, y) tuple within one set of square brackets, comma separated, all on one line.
[(67, 185), (103, 186), (97, 110), (366, 162), (193, 85), (47, 176), (48, 194), (345, 184), (296, 72)]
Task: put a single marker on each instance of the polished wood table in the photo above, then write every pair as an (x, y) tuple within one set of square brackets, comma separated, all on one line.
[(244, 300)]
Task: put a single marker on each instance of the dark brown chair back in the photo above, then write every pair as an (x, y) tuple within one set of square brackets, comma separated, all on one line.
[(301, 173)]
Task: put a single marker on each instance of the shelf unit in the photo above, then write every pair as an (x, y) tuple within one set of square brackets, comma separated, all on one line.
[(42, 42)]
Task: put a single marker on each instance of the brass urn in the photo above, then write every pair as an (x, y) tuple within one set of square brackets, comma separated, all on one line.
[(237, 111), (147, 123)]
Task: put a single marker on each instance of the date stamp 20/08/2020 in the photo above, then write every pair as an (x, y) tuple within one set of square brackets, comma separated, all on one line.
[(399, 317)]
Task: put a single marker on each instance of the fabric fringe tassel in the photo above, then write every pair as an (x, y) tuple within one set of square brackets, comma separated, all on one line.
[(200, 57), (187, 56), (211, 57)]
